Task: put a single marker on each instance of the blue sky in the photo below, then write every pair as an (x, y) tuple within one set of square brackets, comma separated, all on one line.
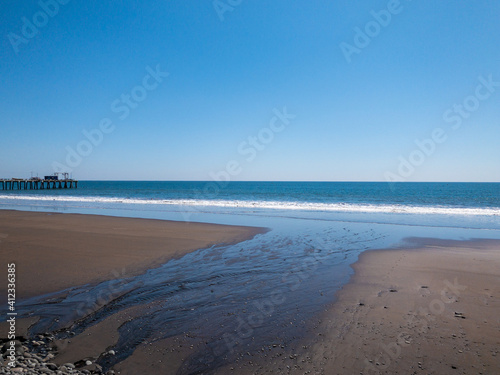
[(419, 68)]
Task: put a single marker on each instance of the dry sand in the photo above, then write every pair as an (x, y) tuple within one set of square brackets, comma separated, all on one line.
[(56, 251)]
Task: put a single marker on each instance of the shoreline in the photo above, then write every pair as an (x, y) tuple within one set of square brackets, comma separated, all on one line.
[(57, 251)]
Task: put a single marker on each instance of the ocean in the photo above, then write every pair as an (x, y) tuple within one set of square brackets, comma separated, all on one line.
[(226, 293), (470, 205)]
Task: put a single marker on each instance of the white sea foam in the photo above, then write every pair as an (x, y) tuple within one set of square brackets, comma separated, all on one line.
[(269, 205)]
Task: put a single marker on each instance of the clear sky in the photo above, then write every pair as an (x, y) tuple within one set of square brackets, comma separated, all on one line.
[(260, 90)]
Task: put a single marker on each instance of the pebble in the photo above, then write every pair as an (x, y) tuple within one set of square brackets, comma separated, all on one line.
[(36, 361), (52, 366)]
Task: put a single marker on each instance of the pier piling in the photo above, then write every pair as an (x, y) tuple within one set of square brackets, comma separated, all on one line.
[(37, 184)]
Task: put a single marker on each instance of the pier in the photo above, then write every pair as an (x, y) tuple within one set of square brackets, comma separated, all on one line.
[(37, 183)]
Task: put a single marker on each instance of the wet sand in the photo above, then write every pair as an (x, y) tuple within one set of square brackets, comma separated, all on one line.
[(430, 310), (433, 309), (55, 251)]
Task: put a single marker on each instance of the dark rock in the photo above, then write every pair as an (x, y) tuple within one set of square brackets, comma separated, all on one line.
[(80, 363), (51, 366)]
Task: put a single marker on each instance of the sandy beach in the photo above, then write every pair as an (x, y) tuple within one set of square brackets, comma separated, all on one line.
[(431, 308), (56, 251)]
